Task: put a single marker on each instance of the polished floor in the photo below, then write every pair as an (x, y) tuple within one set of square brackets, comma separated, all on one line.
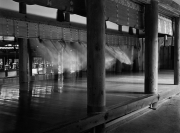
[(166, 119), (49, 104)]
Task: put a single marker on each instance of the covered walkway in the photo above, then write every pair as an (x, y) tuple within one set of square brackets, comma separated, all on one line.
[(49, 106), (165, 119), (54, 49)]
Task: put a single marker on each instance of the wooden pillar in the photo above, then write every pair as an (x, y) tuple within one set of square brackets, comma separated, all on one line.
[(56, 75), (164, 54), (143, 55), (96, 56), (118, 67), (62, 65), (151, 47), (96, 99), (23, 58), (30, 60), (60, 17), (177, 52)]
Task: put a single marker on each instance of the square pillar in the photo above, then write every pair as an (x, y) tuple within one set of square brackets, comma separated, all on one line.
[(177, 52), (151, 47)]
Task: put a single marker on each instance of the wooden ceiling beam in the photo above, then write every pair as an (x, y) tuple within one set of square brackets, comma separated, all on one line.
[(59, 4), (72, 6), (168, 9), (38, 19), (79, 6), (49, 21), (169, 13), (168, 6)]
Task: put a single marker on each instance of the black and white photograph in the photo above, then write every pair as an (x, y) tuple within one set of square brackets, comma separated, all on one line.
[(89, 66)]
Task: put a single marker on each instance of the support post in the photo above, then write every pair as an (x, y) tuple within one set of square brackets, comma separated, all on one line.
[(96, 99), (177, 52), (151, 48), (96, 56), (118, 67), (30, 61), (56, 75), (23, 58), (60, 17), (62, 65)]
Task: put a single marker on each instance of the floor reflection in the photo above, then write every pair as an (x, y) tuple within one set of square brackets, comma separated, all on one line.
[(7, 93), (23, 111), (30, 107), (57, 87)]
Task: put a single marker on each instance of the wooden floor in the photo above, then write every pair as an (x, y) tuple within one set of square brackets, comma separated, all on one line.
[(165, 119), (49, 104)]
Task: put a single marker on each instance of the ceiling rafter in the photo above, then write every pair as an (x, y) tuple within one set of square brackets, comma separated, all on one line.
[(78, 6)]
